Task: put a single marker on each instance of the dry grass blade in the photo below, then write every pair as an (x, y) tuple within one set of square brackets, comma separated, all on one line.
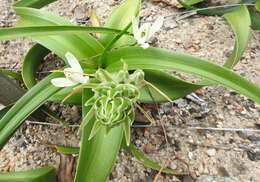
[(94, 19)]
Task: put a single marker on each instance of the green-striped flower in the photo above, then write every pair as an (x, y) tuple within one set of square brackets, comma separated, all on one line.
[(114, 99)]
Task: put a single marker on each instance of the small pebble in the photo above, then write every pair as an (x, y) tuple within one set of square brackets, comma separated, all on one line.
[(149, 148), (211, 152)]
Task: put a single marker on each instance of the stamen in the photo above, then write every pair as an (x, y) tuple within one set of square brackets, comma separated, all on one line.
[(73, 72)]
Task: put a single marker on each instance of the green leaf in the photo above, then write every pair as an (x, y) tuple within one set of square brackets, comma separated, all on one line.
[(12, 74), (31, 62), (186, 5), (82, 45), (87, 119), (212, 12), (31, 31), (192, 2), (257, 5), (43, 174), (240, 22), (100, 152), (95, 129), (110, 45), (32, 100), (119, 19), (177, 89), (127, 130), (147, 162), (66, 150), (161, 59), (5, 110), (33, 3), (255, 18)]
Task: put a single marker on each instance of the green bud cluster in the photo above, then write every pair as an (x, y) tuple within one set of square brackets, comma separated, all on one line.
[(114, 99)]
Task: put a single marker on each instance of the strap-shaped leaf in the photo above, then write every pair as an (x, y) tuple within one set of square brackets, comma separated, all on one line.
[(192, 2), (100, 152), (257, 5), (31, 31), (172, 86), (33, 3), (212, 12), (240, 22), (43, 174), (255, 18), (32, 100), (119, 19), (31, 62), (66, 149), (5, 110), (12, 74), (161, 59), (81, 46)]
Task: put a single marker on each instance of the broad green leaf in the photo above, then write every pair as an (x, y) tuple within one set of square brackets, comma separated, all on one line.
[(5, 110), (31, 62), (255, 18), (119, 19), (161, 59), (31, 31), (33, 3), (192, 2), (99, 153), (186, 5), (147, 162), (82, 46), (32, 100), (211, 12), (43, 174), (12, 74), (172, 86), (240, 22), (257, 5)]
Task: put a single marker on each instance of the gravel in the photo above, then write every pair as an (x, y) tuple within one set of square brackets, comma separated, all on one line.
[(225, 154)]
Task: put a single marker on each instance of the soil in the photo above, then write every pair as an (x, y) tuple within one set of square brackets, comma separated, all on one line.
[(214, 153)]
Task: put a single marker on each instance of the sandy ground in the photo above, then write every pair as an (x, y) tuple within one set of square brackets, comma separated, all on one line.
[(226, 154)]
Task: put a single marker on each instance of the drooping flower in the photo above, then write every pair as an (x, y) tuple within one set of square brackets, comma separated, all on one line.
[(73, 75), (143, 33)]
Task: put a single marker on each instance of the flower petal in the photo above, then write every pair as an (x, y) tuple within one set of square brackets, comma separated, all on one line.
[(73, 62), (62, 82), (135, 24), (75, 76), (155, 27), (145, 45)]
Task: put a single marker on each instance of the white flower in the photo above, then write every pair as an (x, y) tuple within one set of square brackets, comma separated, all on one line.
[(146, 31), (74, 75)]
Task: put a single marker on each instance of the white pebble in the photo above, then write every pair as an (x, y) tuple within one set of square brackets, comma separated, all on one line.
[(211, 152)]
